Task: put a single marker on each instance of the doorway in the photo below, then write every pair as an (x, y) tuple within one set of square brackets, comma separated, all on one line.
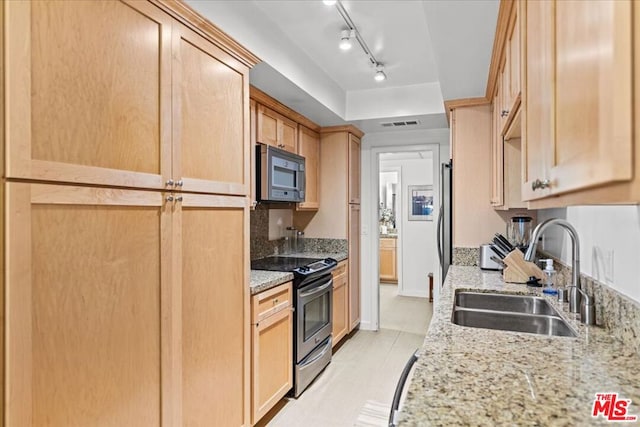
[(406, 226)]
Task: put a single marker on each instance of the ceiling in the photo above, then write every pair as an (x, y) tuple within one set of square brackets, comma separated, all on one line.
[(432, 50)]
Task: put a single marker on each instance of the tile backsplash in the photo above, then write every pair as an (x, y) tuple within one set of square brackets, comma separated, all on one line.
[(264, 224), (617, 313)]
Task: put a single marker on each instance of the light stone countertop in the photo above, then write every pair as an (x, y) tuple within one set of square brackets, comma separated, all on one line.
[(262, 280), (474, 376)]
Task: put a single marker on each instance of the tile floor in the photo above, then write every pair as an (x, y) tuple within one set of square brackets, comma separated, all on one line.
[(357, 387)]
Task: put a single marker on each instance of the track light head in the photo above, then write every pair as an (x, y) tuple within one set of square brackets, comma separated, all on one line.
[(345, 39), (380, 75)]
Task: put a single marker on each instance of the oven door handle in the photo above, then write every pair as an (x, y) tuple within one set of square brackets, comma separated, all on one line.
[(316, 291), (326, 348)]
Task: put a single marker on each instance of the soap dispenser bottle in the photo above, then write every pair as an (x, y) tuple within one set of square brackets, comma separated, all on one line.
[(549, 278)]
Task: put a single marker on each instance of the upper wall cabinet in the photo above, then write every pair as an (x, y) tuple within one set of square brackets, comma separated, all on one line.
[(119, 93), (354, 169), (577, 129), (210, 116), (309, 148), (276, 129)]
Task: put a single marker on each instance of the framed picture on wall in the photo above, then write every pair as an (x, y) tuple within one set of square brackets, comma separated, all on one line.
[(420, 202)]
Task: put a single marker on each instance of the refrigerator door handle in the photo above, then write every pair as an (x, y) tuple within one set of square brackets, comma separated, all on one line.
[(439, 233)]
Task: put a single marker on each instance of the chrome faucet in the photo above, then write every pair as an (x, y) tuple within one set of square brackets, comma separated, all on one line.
[(575, 292)]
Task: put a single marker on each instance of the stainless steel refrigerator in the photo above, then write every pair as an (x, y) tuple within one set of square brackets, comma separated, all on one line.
[(444, 232)]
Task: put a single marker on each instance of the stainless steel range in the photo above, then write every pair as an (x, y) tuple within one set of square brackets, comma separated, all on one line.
[(313, 287)]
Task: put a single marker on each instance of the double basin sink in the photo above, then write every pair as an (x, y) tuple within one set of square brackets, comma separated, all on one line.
[(509, 312)]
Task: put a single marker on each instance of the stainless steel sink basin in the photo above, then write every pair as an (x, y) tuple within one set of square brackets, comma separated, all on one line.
[(517, 322), (504, 302), (505, 312)]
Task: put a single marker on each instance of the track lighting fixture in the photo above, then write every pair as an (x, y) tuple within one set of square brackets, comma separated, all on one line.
[(380, 75), (345, 39), (347, 36)]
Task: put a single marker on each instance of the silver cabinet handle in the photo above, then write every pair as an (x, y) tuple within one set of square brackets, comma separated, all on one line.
[(537, 184), (504, 113), (169, 198), (179, 183), (179, 199), (170, 183)]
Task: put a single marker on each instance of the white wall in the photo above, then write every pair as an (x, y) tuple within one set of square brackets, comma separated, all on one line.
[(418, 254), (409, 100), (372, 144), (609, 243)]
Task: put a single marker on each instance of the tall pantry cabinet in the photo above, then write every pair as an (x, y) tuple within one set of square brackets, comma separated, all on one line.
[(339, 214), (127, 149)]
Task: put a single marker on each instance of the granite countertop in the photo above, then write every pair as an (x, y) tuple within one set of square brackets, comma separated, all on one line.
[(474, 376), (261, 280)]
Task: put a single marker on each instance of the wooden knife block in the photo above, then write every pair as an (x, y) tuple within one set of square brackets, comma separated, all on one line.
[(518, 270)]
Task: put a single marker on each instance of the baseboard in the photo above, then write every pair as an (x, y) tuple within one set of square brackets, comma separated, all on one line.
[(419, 294), (367, 326)]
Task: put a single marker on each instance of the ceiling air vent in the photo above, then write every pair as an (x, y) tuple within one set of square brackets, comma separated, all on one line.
[(399, 124)]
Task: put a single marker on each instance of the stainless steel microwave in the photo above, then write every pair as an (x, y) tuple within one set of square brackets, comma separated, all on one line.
[(280, 175)]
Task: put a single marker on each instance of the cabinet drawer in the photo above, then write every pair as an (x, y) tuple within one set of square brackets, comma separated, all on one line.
[(387, 243), (270, 302), (340, 270)]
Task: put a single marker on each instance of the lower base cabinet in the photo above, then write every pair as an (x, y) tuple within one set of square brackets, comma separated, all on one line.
[(388, 260), (340, 303), (272, 349)]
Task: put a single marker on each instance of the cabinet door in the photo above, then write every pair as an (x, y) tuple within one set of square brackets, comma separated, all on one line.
[(212, 265), (267, 126), (88, 90), (388, 262), (354, 169), (252, 153), (277, 130), (210, 117), (288, 135), (87, 309), (272, 361), (340, 326), (309, 148), (537, 96), (354, 266), (497, 163), (593, 94), (513, 53)]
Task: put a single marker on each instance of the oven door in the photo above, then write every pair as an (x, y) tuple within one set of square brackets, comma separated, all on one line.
[(314, 314)]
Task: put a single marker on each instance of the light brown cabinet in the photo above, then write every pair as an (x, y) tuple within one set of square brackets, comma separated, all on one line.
[(354, 169), (337, 218), (109, 302), (578, 126), (156, 115), (388, 260), (497, 153), (309, 148), (354, 267), (506, 118), (109, 286), (340, 326), (213, 279), (472, 176), (276, 130), (210, 117), (271, 349)]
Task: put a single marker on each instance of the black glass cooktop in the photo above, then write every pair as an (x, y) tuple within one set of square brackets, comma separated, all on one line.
[(281, 263)]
